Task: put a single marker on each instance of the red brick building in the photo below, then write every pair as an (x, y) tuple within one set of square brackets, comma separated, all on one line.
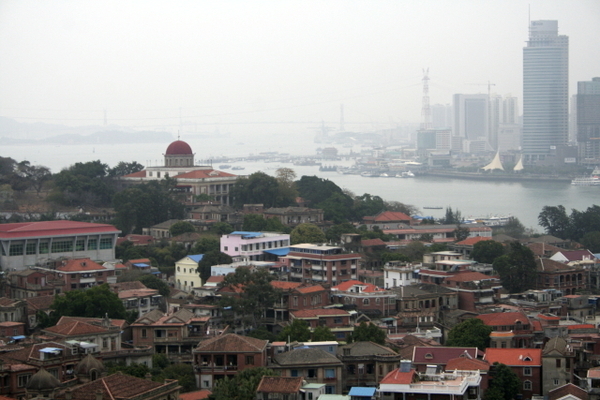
[(367, 297), (335, 319), (526, 363), (517, 324)]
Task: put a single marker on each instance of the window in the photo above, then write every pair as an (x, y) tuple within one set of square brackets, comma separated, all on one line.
[(80, 245), (23, 379), (249, 360), (329, 373), (44, 248), (225, 248), (30, 249), (366, 302), (144, 333), (527, 385), (93, 244), (16, 250), (555, 382), (312, 373), (294, 372), (527, 371), (106, 243), (558, 363), (62, 246)]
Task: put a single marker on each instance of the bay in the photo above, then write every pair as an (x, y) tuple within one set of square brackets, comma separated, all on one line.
[(523, 200)]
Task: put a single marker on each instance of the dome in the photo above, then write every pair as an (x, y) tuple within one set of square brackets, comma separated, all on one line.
[(42, 380), (179, 147), (88, 364)]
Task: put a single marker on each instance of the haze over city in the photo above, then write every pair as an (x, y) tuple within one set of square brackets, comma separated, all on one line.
[(153, 64)]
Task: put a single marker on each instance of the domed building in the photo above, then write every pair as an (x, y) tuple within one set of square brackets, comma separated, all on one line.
[(192, 179)]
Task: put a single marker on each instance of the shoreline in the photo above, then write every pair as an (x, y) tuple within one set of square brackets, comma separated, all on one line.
[(494, 177)]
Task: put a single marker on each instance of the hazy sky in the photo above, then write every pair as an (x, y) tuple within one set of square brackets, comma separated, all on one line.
[(232, 62)]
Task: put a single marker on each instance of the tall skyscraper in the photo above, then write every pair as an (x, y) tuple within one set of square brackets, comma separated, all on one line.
[(471, 119), (588, 122), (545, 91)]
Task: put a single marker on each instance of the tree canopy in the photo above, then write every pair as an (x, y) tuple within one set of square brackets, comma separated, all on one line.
[(257, 188), (367, 333), (181, 227), (504, 383), (470, 333), (298, 331), (242, 386), (307, 233), (486, 251), (517, 268)]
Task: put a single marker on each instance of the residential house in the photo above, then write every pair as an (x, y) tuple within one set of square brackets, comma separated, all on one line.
[(424, 356), (297, 296), (553, 274), (387, 220), (225, 355), (406, 383), (474, 288), (141, 301), (366, 363), (471, 364), (253, 246), (32, 283), (321, 264), (83, 273), (558, 364), (279, 388), (186, 273), (161, 230), (102, 334), (292, 216), (577, 307), (213, 213), (367, 298), (174, 333), (423, 305), (526, 363), (398, 274), (335, 319), (568, 392), (35, 305), (465, 247), (440, 233), (510, 329), (573, 256), (314, 365)]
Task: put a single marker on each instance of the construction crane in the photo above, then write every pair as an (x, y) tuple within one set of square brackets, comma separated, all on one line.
[(489, 86)]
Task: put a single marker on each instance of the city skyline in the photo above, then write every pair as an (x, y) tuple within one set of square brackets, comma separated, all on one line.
[(159, 65)]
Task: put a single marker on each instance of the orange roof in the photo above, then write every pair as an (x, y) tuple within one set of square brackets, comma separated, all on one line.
[(391, 216), (367, 287), (74, 328), (310, 289), (399, 378), (503, 318), (139, 174), (502, 334), (470, 241), (80, 265), (195, 395), (467, 364), (512, 357), (284, 285), (581, 326)]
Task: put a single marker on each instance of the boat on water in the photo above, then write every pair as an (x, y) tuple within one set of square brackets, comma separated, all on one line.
[(433, 208), (592, 180), (405, 174), (224, 166), (238, 168)]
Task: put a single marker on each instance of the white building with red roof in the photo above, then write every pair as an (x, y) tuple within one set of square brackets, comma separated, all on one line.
[(26, 244), (192, 179), (367, 297)]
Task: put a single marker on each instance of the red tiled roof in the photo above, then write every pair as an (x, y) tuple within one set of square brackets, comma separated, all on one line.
[(284, 285), (469, 276), (216, 279), (195, 395), (80, 265), (75, 328), (367, 287), (204, 173), (232, 343), (503, 318), (139, 174), (52, 228), (470, 241), (372, 242), (467, 364), (548, 317), (580, 326), (321, 312), (442, 354), (399, 378), (280, 384), (577, 255), (116, 386), (140, 261), (390, 216), (594, 372), (310, 289), (513, 357), (563, 391)]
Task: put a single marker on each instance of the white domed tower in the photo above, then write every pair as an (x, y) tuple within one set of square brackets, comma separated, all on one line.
[(179, 154)]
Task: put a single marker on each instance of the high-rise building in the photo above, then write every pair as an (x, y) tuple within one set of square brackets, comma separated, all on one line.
[(441, 116), (471, 116), (588, 121), (545, 91)]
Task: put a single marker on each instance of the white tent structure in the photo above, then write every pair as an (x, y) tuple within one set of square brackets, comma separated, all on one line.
[(519, 166), (495, 164)]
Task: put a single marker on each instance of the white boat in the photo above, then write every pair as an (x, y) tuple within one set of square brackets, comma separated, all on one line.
[(592, 180)]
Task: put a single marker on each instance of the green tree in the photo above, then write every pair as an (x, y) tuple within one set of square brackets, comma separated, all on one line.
[(513, 228), (254, 223), (134, 369), (337, 208), (287, 191), (181, 227), (258, 188), (184, 373), (307, 233), (209, 259), (591, 241), (517, 268), (451, 217), (555, 221), (504, 383), (95, 302), (205, 245), (298, 331), (470, 333), (322, 333), (334, 234), (125, 168), (367, 205), (460, 233), (221, 228), (263, 334), (486, 251), (401, 207), (242, 386), (153, 282), (414, 251), (367, 333), (258, 294), (83, 184)]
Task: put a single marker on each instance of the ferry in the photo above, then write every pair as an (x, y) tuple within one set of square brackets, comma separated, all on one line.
[(592, 180)]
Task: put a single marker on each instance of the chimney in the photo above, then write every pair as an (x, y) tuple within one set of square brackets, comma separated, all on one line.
[(405, 365)]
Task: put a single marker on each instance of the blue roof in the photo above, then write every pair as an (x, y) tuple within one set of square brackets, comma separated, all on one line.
[(18, 337), (282, 251), (196, 257), (141, 265), (362, 391), (247, 235)]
